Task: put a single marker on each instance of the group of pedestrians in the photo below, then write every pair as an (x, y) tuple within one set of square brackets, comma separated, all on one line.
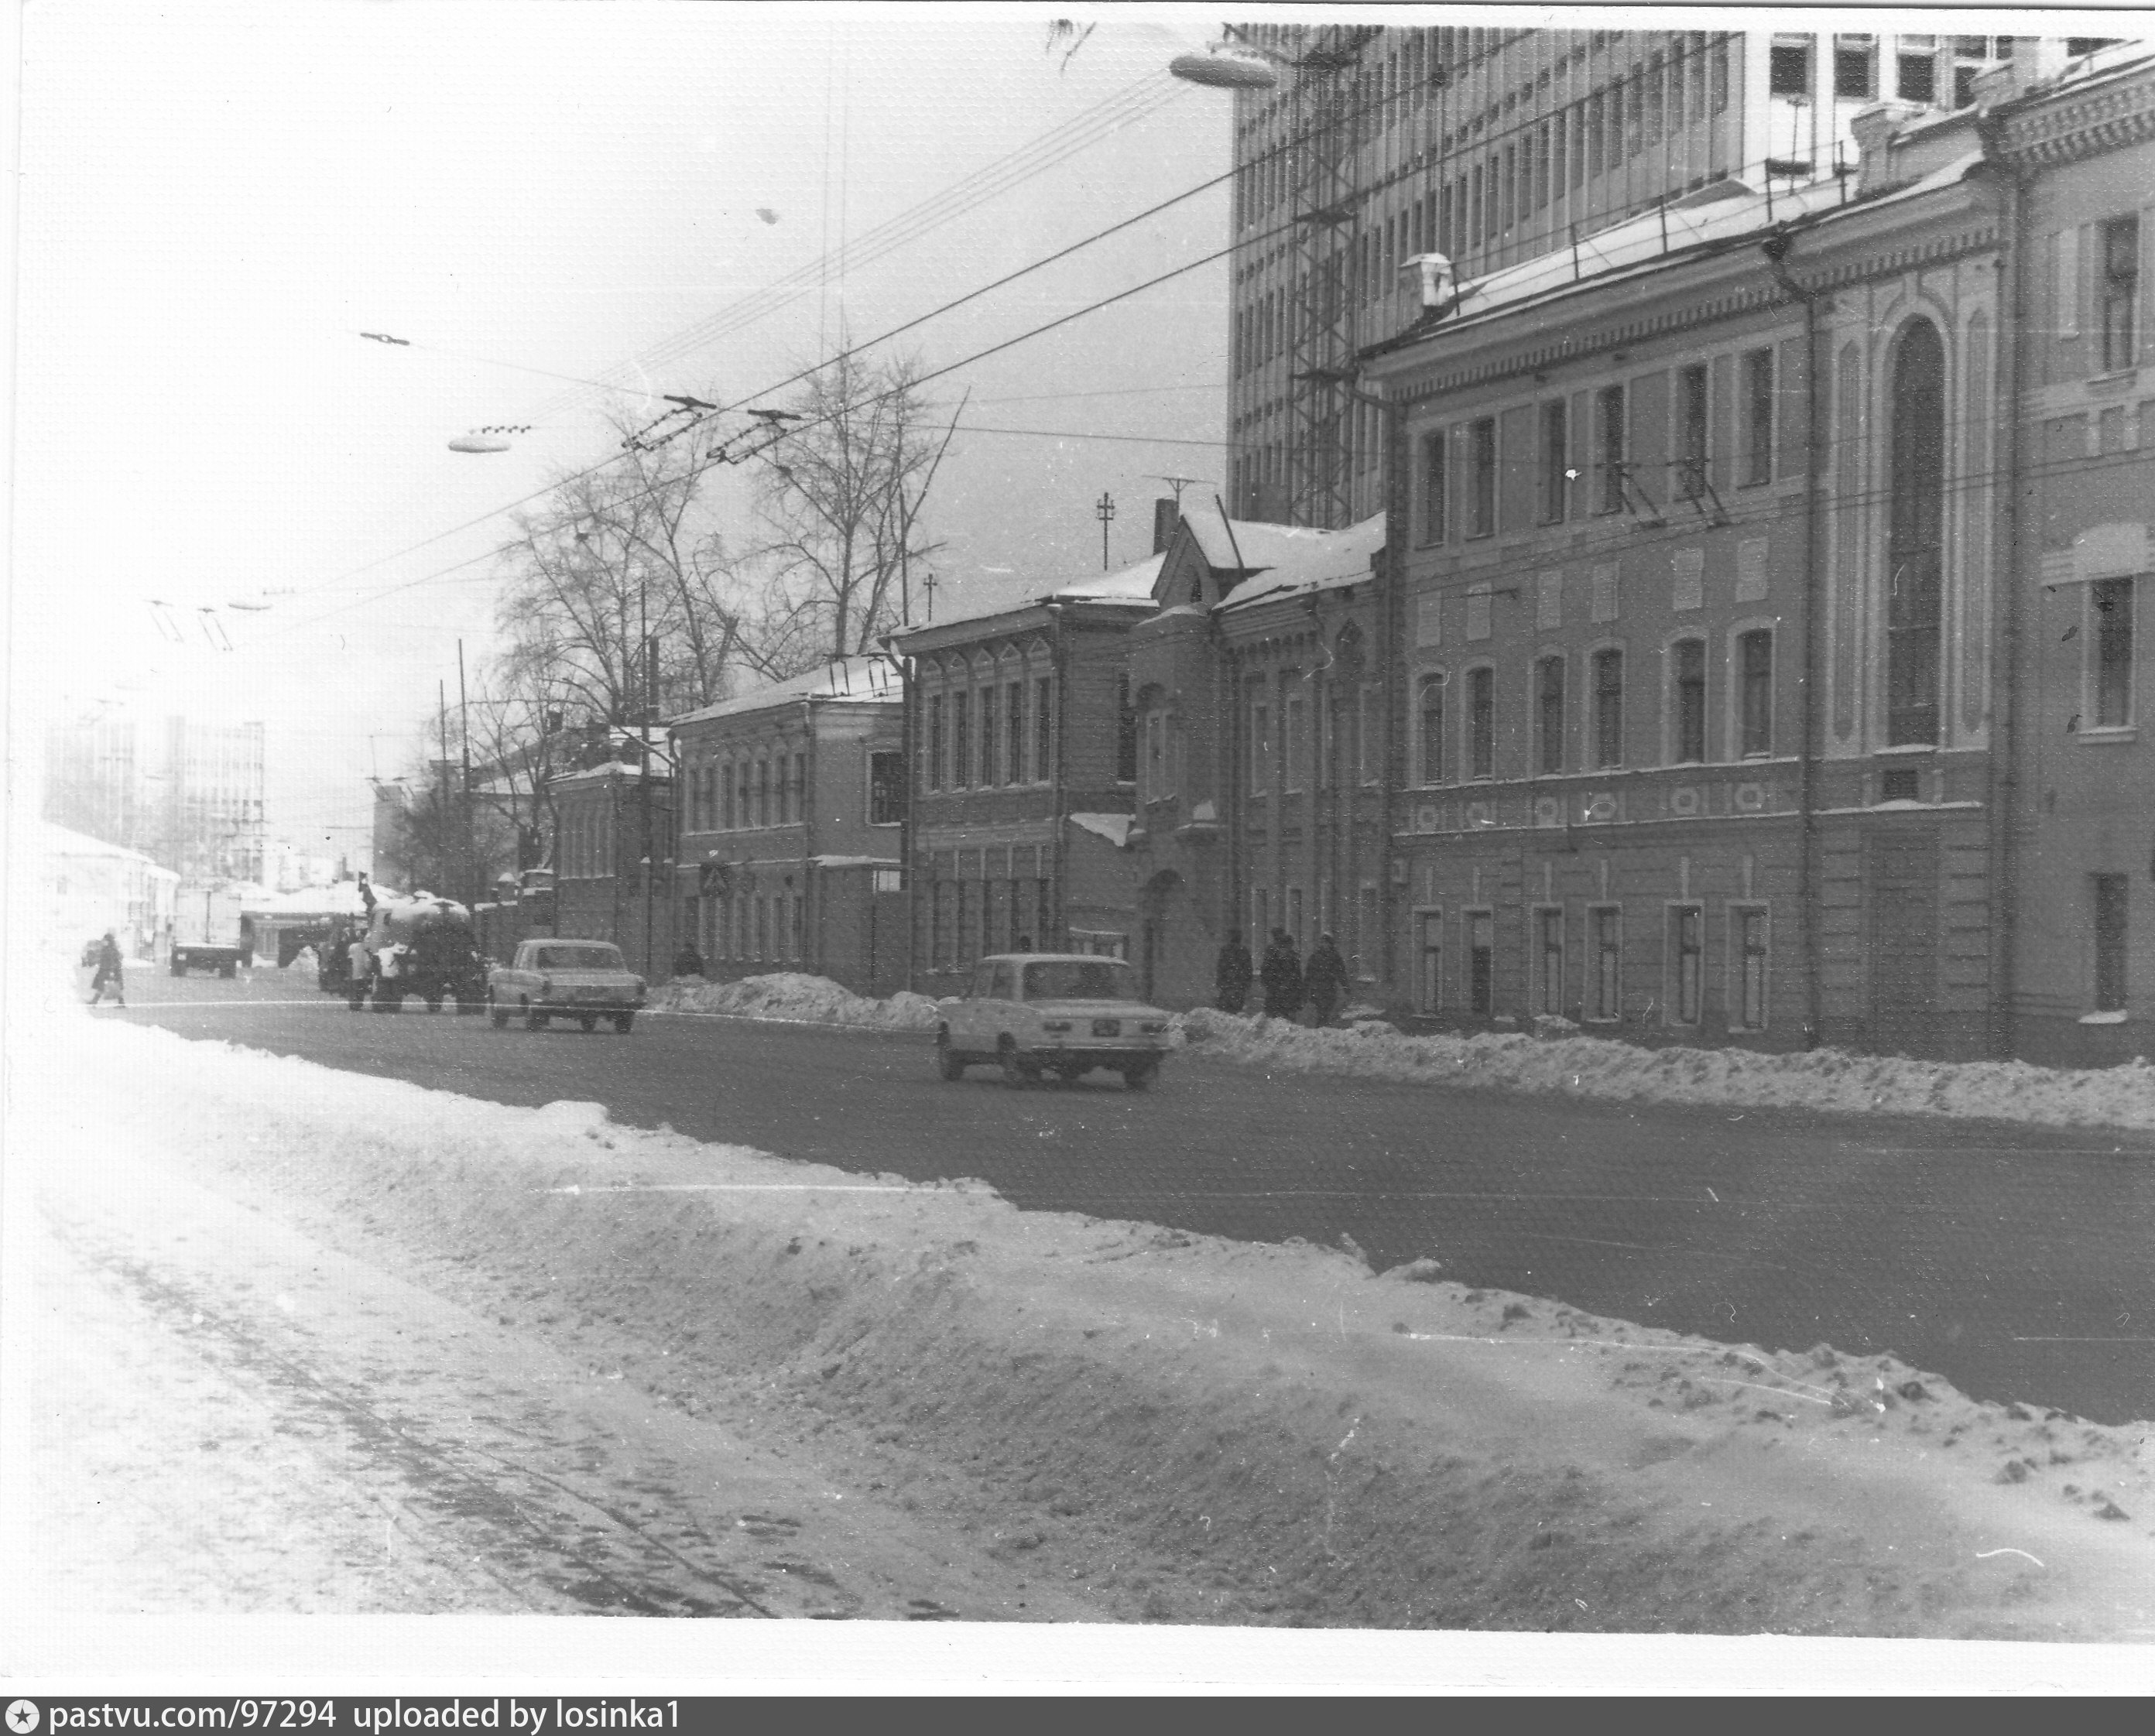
[(1289, 982)]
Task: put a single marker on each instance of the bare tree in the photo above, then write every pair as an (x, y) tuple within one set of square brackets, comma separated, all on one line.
[(840, 494), (621, 601)]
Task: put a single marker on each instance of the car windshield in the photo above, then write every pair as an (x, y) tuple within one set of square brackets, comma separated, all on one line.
[(1078, 980), (577, 958)]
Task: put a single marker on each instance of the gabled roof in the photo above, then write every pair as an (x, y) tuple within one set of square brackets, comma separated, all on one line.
[(865, 680), (1252, 545), (1313, 560)]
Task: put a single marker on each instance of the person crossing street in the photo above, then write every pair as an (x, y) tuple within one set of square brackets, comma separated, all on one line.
[(110, 972)]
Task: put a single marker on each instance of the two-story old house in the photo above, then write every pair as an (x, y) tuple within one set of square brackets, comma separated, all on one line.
[(614, 848), (792, 801), (1692, 539), (1022, 750)]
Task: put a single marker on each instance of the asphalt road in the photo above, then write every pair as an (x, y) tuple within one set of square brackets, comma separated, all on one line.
[(2015, 1262)]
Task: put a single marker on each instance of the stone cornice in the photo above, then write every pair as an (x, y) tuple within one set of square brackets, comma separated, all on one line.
[(2064, 127)]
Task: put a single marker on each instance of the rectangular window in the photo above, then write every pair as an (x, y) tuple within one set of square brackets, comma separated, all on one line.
[(1594, 126), (1294, 772), (1481, 962), (1789, 68), (1687, 963), (934, 742), (1367, 744), (1747, 943), (1853, 61), (1754, 660), (1548, 716), (800, 786), (1609, 449), (1548, 960), (1556, 462), (1126, 733), (1432, 729), (1294, 918), (989, 766), (1043, 730), (726, 777), (1482, 722), (886, 789), (1429, 977), (762, 796), (1720, 76), (1481, 501), (2110, 608), (1915, 77), (1043, 915), (2108, 893), (1014, 733), (1432, 487), (1688, 700), (2120, 290), (1261, 747), (1604, 998), (1608, 707), (1692, 431), (961, 740), (1757, 418)]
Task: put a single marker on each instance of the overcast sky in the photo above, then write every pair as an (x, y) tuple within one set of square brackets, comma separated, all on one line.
[(217, 200)]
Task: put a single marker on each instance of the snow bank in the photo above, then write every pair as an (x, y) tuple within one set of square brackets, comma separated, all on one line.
[(1210, 1430), (1597, 1066), (1554, 1061), (793, 996)]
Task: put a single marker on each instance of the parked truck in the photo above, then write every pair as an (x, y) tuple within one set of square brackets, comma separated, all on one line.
[(208, 932), (417, 945)]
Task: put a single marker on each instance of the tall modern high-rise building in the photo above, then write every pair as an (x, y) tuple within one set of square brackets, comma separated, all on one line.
[(207, 802), (1378, 145)]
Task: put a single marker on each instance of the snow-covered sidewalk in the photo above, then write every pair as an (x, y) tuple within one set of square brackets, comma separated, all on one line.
[(1564, 1065), (1193, 1430)]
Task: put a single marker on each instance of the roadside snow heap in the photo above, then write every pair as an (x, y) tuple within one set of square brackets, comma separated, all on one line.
[(793, 997), (1559, 1064), (1193, 1429)]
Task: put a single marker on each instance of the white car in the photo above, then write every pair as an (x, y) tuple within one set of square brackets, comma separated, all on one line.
[(1064, 1014), (582, 979)]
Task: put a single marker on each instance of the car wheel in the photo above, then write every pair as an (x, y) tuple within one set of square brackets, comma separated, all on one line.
[(433, 1003), (1018, 1072), (228, 970), (622, 1022), (1140, 1077), (496, 1012), (178, 968), (947, 1061), (534, 1019), (589, 1021), (388, 1000)]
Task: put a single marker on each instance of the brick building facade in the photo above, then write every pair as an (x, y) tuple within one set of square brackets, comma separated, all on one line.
[(612, 861), (792, 805)]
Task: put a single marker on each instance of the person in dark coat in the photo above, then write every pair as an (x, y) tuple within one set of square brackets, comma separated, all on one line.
[(109, 972), (1324, 979), (687, 961), (1230, 976), (1281, 975)]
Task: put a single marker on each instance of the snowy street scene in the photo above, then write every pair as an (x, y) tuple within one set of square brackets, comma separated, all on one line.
[(861, 847)]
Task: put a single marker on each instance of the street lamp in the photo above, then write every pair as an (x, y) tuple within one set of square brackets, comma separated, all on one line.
[(1224, 68)]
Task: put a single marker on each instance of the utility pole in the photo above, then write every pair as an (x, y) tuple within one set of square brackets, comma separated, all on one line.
[(441, 782), (650, 672), (464, 725), (1103, 509)]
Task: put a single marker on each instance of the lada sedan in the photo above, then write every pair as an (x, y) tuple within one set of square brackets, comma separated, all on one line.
[(582, 979), (1059, 1014)]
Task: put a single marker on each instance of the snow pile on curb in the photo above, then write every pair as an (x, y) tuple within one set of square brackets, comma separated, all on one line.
[(796, 996), (1554, 1061), (1205, 1429), (1598, 1066)]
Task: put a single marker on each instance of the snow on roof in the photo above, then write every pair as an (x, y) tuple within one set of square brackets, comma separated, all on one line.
[(849, 861), (1318, 561), (1131, 583), (59, 840), (1113, 827), (1643, 242), (1250, 545), (868, 677), (341, 899)]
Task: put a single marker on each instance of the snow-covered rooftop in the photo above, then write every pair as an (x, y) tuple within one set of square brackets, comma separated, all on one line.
[(1312, 561), (870, 677), (59, 840)]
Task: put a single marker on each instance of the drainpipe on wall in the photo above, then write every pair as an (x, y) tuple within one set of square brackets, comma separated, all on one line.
[(1776, 249), (1060, 661), (909, 686), (2005, 570), (811, 882)]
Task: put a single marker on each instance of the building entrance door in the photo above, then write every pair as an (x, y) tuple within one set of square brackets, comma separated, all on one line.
[(1901, 870)]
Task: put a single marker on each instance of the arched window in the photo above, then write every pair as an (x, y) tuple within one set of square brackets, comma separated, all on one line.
[(1914, 537)]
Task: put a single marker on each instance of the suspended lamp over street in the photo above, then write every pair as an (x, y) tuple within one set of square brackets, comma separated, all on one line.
[(478, 443), (1224, 70)]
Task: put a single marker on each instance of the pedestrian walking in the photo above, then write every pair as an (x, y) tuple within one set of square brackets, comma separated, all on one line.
[(1230, 976), (110, 972), (1324, 979), (1281, 974)]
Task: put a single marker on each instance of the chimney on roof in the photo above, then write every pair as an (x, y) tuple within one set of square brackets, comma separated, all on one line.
[(1165, 515)]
